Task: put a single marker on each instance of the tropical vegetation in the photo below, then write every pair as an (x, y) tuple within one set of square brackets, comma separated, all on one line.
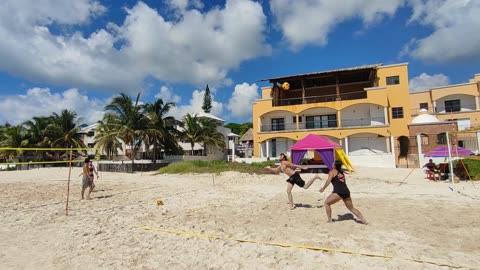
[(126, 121)]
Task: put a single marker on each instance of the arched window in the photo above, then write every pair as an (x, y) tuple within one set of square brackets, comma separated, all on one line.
[(442, 138), (424, 139)]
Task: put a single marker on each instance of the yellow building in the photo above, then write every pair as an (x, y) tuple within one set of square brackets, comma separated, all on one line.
[(458, 103), (366, 109)]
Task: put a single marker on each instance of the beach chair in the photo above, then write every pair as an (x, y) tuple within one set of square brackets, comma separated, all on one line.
[(431, 175)]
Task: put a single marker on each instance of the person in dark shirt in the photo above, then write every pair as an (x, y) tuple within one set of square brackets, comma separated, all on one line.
[(432, 168), (340, 192)]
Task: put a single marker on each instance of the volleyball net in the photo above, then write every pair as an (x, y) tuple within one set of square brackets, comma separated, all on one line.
[(11, 157)]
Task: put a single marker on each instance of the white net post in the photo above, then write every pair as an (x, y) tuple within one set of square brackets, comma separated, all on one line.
[(449, 147)]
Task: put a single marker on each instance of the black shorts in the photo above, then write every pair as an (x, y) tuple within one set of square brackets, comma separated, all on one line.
[(296, 179), (343, 195)]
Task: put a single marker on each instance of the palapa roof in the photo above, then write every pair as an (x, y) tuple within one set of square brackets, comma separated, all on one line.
[(373, 66), (248, 136)]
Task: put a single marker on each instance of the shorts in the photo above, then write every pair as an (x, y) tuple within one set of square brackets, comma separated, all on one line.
[(343, 195), (296, 179), (86, 182)]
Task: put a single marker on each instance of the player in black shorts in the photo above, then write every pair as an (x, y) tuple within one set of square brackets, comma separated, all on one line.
[(293, 177), (340, 192)]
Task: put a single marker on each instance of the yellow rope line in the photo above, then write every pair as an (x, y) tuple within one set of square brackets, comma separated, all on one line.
[(45, 149), (41, 162), (294, 246)]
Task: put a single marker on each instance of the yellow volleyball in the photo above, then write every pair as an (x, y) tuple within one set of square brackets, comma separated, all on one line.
[(285, 86), (159, 202)]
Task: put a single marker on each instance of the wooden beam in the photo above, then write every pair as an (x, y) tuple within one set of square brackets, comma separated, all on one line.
[(337, 87)]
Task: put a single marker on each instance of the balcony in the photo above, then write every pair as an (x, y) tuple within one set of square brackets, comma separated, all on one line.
[(442, 109), (326, 124), (318, 99), (278, 127), (364, 122)]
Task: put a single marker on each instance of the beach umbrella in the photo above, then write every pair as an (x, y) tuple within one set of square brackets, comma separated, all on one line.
[(442, 151)]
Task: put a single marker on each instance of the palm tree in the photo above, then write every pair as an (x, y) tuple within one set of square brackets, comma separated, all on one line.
[(127, 120), (161, 128), (192, 130), (203, 131), (35, 129), (63, 131), (106, 139), (13, 137), (211, 136)]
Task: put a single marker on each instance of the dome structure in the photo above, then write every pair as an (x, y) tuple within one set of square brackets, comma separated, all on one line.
[(425, 118)]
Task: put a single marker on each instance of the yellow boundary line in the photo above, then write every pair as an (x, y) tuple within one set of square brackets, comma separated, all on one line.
[(294, 246)]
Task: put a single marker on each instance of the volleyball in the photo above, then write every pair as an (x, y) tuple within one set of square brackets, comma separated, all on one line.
[(159, 202), (285, 86)]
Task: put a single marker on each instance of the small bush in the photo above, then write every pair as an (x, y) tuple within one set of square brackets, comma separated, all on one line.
[(216, 166), (473, 166)]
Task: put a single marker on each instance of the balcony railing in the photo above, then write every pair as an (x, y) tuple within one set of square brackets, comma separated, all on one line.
[(278, 127), (326, 124), (363, 122), (319, 124), (446, 110), (319, 99)]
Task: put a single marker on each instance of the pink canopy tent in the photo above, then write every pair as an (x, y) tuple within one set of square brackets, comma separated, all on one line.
[(322, 145)]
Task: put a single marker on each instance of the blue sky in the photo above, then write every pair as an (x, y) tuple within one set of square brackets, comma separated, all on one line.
[(78, 54)]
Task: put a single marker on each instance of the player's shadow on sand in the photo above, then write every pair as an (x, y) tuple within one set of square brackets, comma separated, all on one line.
[(347, 216), (103, 197), (304, 205)]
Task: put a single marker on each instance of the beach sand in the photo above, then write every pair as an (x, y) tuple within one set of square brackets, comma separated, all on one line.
[(414, 223)]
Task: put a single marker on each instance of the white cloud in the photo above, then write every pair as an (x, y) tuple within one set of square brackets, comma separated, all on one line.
[(240, 104), (195, 48), (42, 102), (195, 106), (455, 26), (425, 82), (305, 22), (167, 96)]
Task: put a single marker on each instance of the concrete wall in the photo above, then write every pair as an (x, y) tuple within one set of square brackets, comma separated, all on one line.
[(373, 161)]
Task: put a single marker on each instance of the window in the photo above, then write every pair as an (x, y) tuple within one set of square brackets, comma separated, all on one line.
[(278, 124), (295, 119), (442, 138), (274, 147), (461, 144), (452, 105), (424, 139), (393, 80), (397, 112), (321, 121), (424, 105)]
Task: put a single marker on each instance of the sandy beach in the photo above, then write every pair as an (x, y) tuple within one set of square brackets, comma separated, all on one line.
[(414, 223)]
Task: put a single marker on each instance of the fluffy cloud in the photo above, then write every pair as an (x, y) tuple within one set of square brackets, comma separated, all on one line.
[(240, 104), (167, 96), (425, 82), (305, 22), (42, 41), (455, 30), (195, 106), (42, 102)]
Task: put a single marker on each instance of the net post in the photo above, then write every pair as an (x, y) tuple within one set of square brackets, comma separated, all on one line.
[(68, 181)]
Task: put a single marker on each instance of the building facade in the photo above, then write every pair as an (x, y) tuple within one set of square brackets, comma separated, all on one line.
[(365, 109)]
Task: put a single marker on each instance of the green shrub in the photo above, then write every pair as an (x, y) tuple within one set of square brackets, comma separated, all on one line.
[(473, 166), (216, 166)]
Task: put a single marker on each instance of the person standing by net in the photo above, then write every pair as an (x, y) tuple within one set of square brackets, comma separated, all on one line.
[(87, 180), (91, 171)]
